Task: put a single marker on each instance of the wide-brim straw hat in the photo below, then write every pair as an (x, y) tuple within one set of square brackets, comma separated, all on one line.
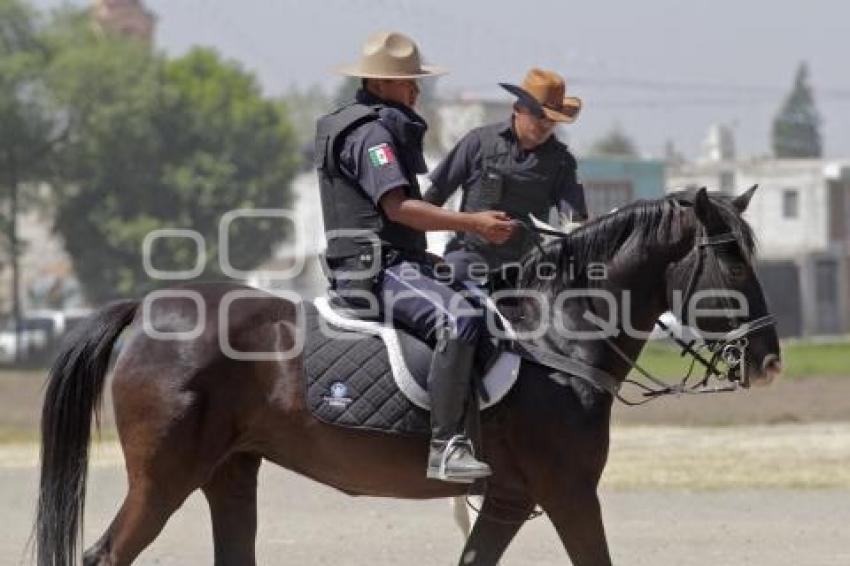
[(390, 55), (544, 92)]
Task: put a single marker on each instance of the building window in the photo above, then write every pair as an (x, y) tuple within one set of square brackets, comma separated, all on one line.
[(790, 203)]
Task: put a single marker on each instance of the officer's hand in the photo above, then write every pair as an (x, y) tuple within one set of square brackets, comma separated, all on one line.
[(493, 225)]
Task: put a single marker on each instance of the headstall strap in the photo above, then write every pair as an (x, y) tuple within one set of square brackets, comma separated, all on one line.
[(727, 238)]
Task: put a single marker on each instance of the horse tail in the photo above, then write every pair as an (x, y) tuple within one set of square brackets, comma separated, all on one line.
[(74, 393)]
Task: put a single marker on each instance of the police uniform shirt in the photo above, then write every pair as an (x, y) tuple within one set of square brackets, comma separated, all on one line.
[(463, 167), (369, 157)]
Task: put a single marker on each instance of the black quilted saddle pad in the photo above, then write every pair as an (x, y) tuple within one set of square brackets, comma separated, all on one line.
[(350, 382)]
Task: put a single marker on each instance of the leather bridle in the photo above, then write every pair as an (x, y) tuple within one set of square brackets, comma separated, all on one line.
[(723, 358)]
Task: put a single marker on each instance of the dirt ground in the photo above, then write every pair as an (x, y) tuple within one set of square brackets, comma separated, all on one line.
[(760, 478), (306, 524), (815, 399)]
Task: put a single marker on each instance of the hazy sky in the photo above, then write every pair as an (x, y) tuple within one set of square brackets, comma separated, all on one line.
[(663, 69)]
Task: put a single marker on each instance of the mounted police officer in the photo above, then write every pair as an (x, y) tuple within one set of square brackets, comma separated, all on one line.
[(368, 154), (517, 166)]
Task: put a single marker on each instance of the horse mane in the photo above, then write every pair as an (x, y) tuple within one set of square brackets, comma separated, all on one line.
[(642, 223)]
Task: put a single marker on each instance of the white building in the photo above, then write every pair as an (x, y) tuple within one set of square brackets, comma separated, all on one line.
[(801, 217), (47, 279), (458, 116)]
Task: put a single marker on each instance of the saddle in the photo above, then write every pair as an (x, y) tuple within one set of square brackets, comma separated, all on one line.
[(363, 373)]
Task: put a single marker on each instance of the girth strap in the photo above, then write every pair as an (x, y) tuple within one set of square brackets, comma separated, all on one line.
[(596, 377)]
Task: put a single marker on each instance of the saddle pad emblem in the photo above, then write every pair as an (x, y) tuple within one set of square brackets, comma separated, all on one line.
[(338, 396)]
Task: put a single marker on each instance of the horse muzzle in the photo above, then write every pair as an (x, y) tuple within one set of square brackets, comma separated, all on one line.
[(771, 369)]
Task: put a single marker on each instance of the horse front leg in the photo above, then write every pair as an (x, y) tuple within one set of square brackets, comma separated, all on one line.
[(563, 461), (499, 520), (577, 518)]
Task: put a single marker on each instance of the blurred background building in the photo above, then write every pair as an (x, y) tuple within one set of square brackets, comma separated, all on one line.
[(801, 218), (125, 17)]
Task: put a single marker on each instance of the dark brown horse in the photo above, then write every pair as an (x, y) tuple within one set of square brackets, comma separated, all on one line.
[(191, 417)]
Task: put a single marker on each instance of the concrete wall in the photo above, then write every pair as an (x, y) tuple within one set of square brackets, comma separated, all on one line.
[(779, 237)]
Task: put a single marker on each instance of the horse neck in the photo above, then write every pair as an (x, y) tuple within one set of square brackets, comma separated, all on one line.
[(636, 285)]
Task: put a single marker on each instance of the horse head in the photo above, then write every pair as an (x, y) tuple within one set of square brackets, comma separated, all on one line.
[(714, 288)]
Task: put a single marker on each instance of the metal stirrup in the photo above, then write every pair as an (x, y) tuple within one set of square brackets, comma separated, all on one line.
[(454, 442)]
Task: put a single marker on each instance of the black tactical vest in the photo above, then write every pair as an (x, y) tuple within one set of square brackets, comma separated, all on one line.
[(345, 205), (504, 186)]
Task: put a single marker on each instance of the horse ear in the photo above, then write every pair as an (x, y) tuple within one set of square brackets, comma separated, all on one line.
[(743, 201), (703, 206)]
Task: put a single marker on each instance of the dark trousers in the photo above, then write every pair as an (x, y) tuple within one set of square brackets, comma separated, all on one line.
[(413, 295), (466, 266), (424, 301)]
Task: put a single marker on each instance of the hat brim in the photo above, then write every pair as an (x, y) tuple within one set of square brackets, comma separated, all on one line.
[(424, 72), (568, 113)]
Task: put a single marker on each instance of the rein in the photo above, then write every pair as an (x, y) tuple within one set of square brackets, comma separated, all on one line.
[(725, 358)]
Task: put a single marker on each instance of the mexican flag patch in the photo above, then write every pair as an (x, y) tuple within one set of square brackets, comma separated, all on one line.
[(381, 155)]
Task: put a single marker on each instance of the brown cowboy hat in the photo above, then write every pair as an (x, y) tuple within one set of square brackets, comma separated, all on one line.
[(390, 55), (543, 92)]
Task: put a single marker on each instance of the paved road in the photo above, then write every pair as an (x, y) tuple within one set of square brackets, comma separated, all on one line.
[(303, 524)]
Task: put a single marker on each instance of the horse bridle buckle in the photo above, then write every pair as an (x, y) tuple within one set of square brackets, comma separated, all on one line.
[(733, 355)]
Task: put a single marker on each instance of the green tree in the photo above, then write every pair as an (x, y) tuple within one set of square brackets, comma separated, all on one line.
[(614, 144), (796, 128), (28, 131), (235, 149), (162, 144)]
